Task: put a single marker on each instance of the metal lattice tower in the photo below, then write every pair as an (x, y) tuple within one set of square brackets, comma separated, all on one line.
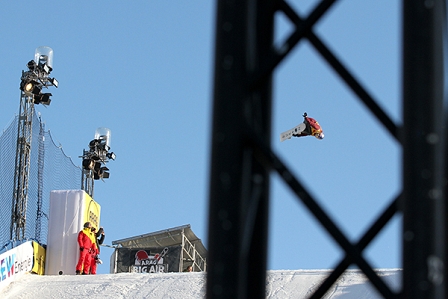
[(87, 181), (94, 160), (32, 83), (22, 167), (242, 157)]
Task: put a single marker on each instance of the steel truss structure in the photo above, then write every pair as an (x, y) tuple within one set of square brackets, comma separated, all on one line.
[(242, 157), (193, 252), (22, 167), (32, 82)]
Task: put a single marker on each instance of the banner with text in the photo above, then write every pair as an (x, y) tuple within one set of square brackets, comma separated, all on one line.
[(148, 260), (15, 262)]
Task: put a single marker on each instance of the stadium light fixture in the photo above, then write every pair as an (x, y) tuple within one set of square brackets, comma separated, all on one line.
[(43, 98), (31, 65), (32, 81), (36, 78), (30, 86), (111, 155), (95, 159), (54, 82)]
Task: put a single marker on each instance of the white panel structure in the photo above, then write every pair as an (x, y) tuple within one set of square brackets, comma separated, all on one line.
[(69, 210), (15, 262)]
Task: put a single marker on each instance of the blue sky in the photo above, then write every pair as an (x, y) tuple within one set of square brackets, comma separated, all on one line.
[(144, 69)]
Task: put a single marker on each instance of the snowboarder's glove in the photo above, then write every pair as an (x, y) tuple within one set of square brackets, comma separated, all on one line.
[(81, 248)]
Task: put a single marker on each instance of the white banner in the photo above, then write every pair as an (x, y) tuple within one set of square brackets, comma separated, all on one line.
[(15, 262), (69, 210)]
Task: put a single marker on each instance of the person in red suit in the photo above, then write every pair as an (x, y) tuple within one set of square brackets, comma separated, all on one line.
[(97, 241), (312, 128), (85, 247), (309, 127)]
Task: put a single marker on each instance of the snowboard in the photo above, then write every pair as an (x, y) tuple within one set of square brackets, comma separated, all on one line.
[(296, 131)]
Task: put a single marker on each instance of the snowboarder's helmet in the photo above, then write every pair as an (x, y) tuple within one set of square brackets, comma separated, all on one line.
[(87, 224), (320, 136)]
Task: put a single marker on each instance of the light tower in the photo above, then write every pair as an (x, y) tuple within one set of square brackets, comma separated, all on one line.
[(32, 82), (94, 160)]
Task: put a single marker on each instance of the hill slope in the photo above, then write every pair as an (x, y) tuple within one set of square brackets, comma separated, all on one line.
[(280, 284)]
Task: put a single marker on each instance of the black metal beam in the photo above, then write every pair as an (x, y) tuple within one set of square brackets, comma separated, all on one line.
[(239, 184), (423, 150), (370, 234), (242, 158), (354, 252), (302, 28), (335, 63)]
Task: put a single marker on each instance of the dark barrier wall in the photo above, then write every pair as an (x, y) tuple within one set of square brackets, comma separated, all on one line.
[(149, 260)]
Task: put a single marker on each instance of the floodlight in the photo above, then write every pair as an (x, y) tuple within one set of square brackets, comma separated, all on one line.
[(104, 173), (43, 98), (31, 65), (88, 164), (30, 86), (93, 144), (95, 159), (97, 167), (100, 172), (54, 82), (46, 68)]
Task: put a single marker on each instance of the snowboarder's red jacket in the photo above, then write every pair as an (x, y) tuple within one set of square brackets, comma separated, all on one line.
[(84, 239), (314, 126)]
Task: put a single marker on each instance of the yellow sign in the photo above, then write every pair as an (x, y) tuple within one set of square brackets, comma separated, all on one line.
[(92, 211), (39, 259)]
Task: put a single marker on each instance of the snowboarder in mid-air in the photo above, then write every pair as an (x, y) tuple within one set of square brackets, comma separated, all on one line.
[(309, 127)]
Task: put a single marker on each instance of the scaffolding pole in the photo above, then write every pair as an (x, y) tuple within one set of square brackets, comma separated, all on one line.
[(423, 150), (239, 183), (22, 167)]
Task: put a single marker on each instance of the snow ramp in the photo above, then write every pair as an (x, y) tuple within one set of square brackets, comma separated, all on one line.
[(279, 284)]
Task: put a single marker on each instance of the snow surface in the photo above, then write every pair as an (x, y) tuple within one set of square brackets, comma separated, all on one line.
[(279, 284)]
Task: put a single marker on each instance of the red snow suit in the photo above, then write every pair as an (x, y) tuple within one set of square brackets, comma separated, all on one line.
[(85, 247), (312, 128), (96, 242), (94, 253)]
